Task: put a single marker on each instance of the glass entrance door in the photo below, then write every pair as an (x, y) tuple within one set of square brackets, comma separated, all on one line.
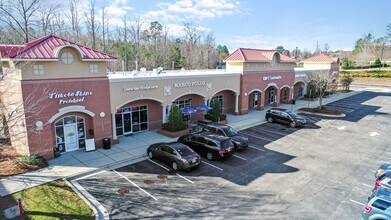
[(135, 121), (127, 123), (131, 120), (70, 133), (271, 95), (255, 99)]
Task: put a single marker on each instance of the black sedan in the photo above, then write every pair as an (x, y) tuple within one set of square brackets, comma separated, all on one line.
[(284, 116), (177, 155), (209, 145), (240, 141)]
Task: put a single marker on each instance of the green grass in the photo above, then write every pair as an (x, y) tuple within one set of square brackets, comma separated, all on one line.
[(54, 200)]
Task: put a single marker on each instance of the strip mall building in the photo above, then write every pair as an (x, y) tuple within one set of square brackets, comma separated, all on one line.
[(58, 94)]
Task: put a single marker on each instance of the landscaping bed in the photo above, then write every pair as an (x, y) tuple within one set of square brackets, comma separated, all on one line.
[(54, 200), (321, 111), (8, 163)]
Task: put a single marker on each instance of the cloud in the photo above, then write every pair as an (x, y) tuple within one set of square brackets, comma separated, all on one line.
[(253, 41), (176, 30), (185, 10)]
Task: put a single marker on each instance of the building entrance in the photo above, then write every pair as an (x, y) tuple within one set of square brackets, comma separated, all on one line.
[(131, 119)]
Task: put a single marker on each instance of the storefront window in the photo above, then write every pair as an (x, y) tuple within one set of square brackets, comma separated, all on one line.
[(131, 119), (186, 103), (220, 98)]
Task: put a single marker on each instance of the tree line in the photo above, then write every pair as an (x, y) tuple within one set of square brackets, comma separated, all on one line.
[(136, 43)]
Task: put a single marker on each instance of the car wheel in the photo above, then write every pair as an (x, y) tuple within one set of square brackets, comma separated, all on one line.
[(293, 124), (150, 154), (270, 119), (209, 156), (174, 165)]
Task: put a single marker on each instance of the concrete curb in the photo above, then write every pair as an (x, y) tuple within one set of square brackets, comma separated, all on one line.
[(81, 193)]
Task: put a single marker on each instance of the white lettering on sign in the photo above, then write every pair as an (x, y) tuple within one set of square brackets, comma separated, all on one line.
[(300, 75), (137, 88), (189, 84), (67, 97), (271, 77)]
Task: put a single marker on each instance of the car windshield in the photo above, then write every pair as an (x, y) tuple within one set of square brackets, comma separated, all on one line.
[(230, 132), (292, 114), (184, 151)]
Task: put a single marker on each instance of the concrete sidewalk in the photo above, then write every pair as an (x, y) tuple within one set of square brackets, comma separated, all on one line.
[(131, 148)]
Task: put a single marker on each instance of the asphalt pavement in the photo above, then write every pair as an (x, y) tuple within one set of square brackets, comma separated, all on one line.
[(322, 171)]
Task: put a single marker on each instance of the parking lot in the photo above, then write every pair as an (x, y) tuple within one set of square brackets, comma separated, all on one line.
[(322, 171)]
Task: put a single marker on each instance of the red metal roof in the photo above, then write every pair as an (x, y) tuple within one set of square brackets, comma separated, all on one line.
[(247, 54), (47, 48), (321, 58)]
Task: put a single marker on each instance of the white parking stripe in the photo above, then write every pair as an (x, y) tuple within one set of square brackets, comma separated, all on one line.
[(159, 165), (185, 178), (256, 148), (265, 139), (357, 202), (169, 170), (367, 185), (130, 181), (373, 171), (212, 165), (274, 132), (384, 161), (239, 157), (93, 174)]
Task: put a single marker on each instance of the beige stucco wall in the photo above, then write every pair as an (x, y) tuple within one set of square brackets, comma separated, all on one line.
[(166, 92), (58, 69), (12, 107), (234, 67), (317, 65), (255, 66)]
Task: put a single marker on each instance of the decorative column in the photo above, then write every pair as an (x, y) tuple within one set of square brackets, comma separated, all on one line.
[(114, 127), (236, 104)]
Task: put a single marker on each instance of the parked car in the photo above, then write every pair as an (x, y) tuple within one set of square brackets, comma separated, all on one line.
[(382, 169), (383, 181), (285, 116), (176, 155), (240, 141), (378, 205), (209, 145)]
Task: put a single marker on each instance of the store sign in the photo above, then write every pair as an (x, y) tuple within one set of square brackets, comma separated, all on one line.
[(189, 84), (138, 88), (70, 97), (265, 78), (300, 75)]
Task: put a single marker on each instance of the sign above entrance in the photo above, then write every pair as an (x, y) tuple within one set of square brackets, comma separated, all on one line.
[(66, 98), (189, 84), (265, 78), (138, 88)]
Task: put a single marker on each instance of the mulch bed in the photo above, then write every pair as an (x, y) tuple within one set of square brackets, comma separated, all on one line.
[(8, 156), (321, 111)]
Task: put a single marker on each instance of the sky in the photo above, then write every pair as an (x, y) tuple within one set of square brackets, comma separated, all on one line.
[(264, 24)]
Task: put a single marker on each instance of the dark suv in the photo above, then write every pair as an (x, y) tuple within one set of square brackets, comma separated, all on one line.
[(240, 141), (209, 145), (284, 116)]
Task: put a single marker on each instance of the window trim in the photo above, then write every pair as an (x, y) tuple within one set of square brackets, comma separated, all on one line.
[(94, 68), (38, 69)]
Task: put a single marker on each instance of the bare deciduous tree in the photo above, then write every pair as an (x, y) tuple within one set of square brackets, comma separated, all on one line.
[(19, 15), (92, 23), (323, 81)]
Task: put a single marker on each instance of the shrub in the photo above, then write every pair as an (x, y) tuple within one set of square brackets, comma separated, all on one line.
[(175, 120), (215, 112), (214, 119), (346, 81), (27, 161)]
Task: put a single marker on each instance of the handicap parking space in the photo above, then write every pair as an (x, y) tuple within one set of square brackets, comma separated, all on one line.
[(314, 172)]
